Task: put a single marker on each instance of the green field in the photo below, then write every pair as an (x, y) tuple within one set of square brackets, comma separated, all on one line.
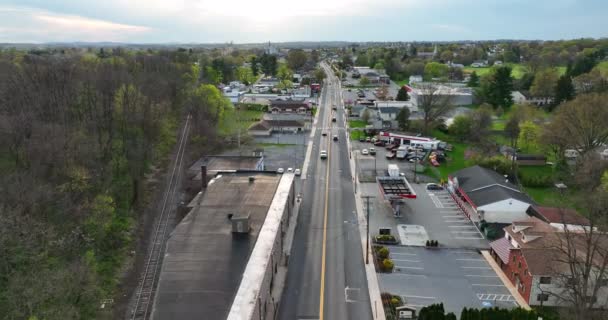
[(603, 67), (356, 124), (518, 70), (233, 121)]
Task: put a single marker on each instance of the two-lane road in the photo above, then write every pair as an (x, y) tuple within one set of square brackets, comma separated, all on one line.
[(326, 277)]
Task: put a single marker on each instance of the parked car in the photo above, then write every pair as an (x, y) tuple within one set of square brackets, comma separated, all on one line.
[(335, 137), (364, 152), (323, 154), (297, 172), (372, 151), (379, 143), (361, 139), (324, 133), (433, 186), (368, 139), (290, 170), (390, 155), (280, 170)]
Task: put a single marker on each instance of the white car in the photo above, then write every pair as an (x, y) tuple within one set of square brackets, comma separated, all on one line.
[(364, 152), (297, 172), (290, 170), (280, 170), (323, 154)]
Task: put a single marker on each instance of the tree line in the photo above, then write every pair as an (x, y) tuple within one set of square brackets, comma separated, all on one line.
[(80, 131)]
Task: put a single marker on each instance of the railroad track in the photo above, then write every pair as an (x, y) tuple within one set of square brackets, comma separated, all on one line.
[(147, 283)]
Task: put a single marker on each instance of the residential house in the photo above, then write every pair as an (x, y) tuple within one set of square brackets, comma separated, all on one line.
[(487, 195), (267, 127), (498, 63), (358, 109), (538, 101), (531, 254), (416, 78), (518, 97), (290, 106), (388, 113), (560, 218)]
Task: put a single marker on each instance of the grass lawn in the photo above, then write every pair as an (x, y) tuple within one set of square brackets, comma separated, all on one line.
[(480, 71), (551, 197), (356, 123), (603, 67), (355, 134), (498, 125), (454, 162), (401, 83), (230, 124)]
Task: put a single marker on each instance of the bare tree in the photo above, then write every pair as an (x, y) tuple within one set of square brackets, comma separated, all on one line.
[(434, 104)]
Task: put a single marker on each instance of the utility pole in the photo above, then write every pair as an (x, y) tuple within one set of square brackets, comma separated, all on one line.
[(367, 225)]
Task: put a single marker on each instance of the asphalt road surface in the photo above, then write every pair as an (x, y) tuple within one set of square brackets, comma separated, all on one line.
[(326, 277)]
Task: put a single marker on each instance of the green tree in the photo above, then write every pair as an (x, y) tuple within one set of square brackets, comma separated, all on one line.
[(496, 87), (461, 127), (364, 81), (379, 65), (473, 80), (402, 95), (365, 116), (403, 118), (245, 75), (564, 90), (269, 64), (296, 58), (254, 66), (362, 60), (285, 76), (544, 83), (435, 70), (320, 75), (529, 136), (212, 75)]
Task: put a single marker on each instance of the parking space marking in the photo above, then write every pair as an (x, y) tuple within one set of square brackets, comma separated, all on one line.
[(461, 252), (413, 268), (465, 259), (419, 297), (486, 285), (495, 297), (469, 238), (458, 231), (460, 227), (480, 276), (485, 268), (409, 275), (415, 261), (405, 254)]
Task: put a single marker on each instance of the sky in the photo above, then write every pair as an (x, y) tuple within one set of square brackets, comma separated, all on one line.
[(254, 21)]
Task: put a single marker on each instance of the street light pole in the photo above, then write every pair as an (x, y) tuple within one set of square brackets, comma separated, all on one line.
[(367, 233)]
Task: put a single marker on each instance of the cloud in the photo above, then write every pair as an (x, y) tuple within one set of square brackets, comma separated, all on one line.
[(23, 24)]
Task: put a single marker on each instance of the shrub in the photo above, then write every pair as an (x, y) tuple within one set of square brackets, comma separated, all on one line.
[(428, 243), (383, 253), (388, 264), (385, 237), (491, 233)]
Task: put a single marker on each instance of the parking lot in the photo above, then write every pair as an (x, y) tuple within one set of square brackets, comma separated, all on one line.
[(457, 278)]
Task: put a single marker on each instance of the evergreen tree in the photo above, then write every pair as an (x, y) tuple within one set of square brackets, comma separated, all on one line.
[(254, 65), (473, 80), (496, 88), (564, 90), (403, 118), (402, 95)]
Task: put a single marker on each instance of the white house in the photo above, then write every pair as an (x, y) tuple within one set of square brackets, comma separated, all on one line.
[(416, 78), (490, 195), (518, 97)]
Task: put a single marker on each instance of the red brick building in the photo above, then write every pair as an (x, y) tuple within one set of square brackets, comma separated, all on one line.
[(528, 255)]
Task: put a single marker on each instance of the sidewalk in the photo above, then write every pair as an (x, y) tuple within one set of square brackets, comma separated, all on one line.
[(370, 270), (520, 300)]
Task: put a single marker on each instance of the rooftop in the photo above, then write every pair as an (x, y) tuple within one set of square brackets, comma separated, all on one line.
[(560, 215), (216, 163), (396, 187), (204, 261), (484, 186)]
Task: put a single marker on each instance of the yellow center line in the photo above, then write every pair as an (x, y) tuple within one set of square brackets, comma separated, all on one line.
[(322, 289)]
